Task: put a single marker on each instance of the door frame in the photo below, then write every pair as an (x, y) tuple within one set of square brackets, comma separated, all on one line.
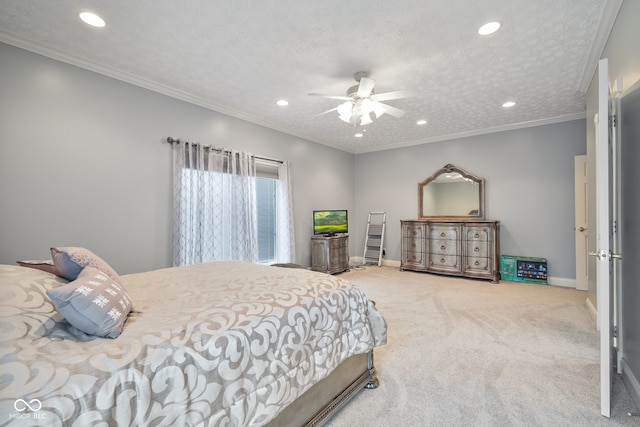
[(581, 227)]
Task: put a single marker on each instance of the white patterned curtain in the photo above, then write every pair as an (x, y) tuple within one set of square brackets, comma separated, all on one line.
[(214, 205), (285, 247)]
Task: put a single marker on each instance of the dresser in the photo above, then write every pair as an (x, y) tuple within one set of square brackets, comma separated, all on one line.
[(467, 248), (330, 254)]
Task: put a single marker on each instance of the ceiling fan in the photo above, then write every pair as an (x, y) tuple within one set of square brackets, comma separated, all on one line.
[(361, 101)]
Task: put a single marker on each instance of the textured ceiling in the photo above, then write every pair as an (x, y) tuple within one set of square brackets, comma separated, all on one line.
[(239, 57)]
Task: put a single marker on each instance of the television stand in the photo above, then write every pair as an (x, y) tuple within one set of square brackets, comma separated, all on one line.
[(330, 254)]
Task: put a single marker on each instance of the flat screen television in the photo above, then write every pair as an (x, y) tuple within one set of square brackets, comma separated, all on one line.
[(330, 222)]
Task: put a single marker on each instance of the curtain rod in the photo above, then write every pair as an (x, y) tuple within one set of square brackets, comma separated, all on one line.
[(172, 140)]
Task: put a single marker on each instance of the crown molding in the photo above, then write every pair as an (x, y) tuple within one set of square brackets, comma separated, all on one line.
[(612, 7), (152, 86), (494, 129), (220, 108)]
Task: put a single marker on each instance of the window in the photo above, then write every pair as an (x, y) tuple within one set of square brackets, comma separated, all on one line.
[(266, 209), (267, 223), (231, 205)]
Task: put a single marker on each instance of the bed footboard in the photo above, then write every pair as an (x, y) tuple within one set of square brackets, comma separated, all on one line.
[(327, 397)]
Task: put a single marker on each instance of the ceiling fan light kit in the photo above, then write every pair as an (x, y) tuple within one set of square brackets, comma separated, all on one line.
[(361, 101), (358, 111)]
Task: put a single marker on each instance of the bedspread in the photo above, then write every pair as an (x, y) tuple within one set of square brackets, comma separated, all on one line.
[(225, 343)]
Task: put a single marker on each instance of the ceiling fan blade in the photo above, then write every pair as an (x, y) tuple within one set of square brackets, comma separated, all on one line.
[(342, 98), (365, 87), (392, 111), (396, 94), (328, 111)]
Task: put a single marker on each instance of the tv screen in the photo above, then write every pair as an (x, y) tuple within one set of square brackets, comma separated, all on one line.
[(330, 222)]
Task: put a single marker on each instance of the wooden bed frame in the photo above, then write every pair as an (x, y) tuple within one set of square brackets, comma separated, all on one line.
[(327, 397)]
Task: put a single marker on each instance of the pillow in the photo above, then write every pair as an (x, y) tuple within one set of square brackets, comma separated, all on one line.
[(94, 303), (40, 265), (70, 261)]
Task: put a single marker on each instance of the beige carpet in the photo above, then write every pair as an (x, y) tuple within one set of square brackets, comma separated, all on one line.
[(473, 353)]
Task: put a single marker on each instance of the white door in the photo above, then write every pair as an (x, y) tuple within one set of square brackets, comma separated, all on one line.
[(581, 223), (603, 237)]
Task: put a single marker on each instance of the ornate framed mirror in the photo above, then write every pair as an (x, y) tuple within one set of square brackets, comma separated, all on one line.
[(451, 193)]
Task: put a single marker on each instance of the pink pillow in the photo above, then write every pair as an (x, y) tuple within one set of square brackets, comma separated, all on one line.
[(41, 265), (69, 261)]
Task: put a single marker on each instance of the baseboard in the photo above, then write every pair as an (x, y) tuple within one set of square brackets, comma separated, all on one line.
[(632, 383), (554, 281), (357, 260), (561, 281)]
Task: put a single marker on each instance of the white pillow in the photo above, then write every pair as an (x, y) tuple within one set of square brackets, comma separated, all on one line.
[(94, 303)]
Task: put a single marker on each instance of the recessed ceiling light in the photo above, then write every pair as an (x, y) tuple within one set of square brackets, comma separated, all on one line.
[(421, 122), (282, 102), (359, 135), (508, 104), (489, 28), (92, 19)]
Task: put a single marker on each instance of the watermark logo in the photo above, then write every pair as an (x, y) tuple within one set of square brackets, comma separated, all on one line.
[(22, 405), (27, 410)]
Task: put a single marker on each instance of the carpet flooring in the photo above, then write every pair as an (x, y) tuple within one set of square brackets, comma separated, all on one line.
[(472, 353)]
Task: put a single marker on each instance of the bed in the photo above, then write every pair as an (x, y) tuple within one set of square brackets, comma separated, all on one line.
[(224, 343)]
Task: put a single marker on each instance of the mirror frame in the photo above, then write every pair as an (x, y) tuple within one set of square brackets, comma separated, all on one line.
[(449, 168)]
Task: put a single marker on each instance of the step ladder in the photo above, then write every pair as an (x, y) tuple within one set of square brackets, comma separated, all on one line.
[(374, 242)]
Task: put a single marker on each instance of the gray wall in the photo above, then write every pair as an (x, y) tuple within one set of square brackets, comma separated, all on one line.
[(83, 163), (624, 62), (529, 188)]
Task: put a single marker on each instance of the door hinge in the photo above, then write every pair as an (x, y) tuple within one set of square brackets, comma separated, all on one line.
[(615, 332)]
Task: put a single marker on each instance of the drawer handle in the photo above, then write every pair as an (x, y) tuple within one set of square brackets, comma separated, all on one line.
[(442, 260), (414, 245), (414, 232), (476, 235), (477, 249), (476, 263), (442, 234), (443, 247)]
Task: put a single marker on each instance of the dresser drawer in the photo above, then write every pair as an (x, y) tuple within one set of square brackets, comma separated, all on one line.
[(482, 234), (443, 232), (478, 248), (444, 247), (444, 262), (413, 257), (413, 231), (410, 244), (477, 264)]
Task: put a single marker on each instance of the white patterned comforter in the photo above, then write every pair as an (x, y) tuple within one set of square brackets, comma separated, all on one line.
[(225, 343)]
